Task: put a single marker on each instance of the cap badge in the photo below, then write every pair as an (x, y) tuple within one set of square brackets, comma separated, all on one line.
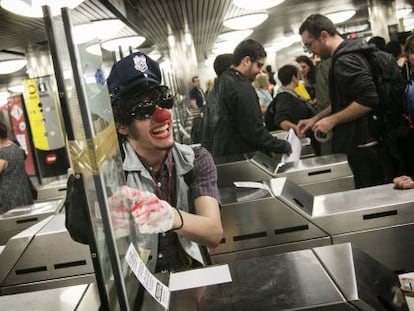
[(140, 63)]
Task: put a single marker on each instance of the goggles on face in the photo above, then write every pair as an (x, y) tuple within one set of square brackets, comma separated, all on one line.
[(145, 109)]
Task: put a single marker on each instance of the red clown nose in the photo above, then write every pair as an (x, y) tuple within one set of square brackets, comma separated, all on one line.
[(161, 115)]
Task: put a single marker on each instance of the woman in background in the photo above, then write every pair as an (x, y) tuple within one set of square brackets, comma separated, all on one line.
[(261, 85), (307, 71), (15, 188)]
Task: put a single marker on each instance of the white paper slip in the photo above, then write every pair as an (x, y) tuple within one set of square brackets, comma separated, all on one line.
[(296, 145), (200, 277), (154, 287), (251, 184)]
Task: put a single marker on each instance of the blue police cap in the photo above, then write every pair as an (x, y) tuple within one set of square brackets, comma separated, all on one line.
[(132, 73)]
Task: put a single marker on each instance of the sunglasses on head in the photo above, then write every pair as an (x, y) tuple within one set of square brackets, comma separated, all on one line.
[(145, 110)]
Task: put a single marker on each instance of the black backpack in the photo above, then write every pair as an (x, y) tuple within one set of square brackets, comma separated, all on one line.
[(390, 121), (389, 118)]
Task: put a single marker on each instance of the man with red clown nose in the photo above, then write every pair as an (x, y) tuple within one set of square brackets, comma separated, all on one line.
[(172, 187)]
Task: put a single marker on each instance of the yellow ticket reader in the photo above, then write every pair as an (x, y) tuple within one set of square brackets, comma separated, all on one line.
[(46, 127)]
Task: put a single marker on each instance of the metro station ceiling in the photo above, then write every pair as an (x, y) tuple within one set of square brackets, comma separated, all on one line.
[(156, 19)]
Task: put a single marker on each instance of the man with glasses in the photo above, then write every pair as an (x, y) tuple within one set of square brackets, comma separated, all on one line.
[(240, 127), (181, 177), (353, 96)]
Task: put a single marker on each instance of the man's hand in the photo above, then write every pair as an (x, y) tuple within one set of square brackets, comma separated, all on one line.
[(151, 214), (403, 182), (304, 125), (324, 125)]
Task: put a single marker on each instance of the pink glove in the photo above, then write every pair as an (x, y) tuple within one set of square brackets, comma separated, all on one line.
[(151, 214)]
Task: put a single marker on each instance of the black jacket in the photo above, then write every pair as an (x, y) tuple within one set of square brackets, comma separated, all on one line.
[(240, 127), (350, 79)]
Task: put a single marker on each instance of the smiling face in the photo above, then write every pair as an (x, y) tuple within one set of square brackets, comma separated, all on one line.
[(152, 135)]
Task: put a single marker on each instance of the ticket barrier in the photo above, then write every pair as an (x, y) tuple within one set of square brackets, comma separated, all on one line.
[(256, 224), (278, 216), (51, 191), (42, 257), (20, 218), (334, 277), (378, 220), (317, 175)]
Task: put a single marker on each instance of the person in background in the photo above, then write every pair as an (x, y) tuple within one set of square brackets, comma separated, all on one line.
[(289, 106), (407, 70), (197, 96), (394, 47), (15, 189), (261, 85), (378, 42), (353, 96), (240, 128), (307, 71), (164, 174), (272, 81), (211, 111), (209, 87)]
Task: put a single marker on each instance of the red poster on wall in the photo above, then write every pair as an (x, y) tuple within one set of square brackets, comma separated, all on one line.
[(20, 129)]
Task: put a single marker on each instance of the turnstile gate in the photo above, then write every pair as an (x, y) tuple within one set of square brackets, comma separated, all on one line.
[(377, 219), (44, 256), (20, 218), (317, 175)]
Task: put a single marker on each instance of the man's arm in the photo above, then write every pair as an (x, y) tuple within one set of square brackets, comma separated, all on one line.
[(193, 104), (351, 112), (250, 125), (205, 226)]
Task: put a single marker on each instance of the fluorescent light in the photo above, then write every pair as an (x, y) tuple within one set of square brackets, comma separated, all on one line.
[(245, 21), (33, 8), (256, 5), (104, 28), (113, 45), (236, 35), (403, 12), (341, 16), (11, 65), (283, 42), (107, 27)]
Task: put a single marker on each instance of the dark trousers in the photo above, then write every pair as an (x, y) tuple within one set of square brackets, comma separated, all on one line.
[(367, 165)]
